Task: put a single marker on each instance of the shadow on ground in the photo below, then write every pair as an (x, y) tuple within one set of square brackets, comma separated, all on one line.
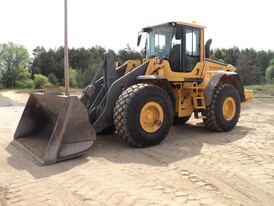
[(21, 161), (182, 142)]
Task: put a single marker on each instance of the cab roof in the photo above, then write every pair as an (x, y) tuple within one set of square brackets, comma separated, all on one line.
[(173, 23)]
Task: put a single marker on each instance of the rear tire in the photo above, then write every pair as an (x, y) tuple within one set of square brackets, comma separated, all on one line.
[(223, 113), (143, 115)]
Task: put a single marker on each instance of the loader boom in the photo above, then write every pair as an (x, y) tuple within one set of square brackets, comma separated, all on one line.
[(100, 103)]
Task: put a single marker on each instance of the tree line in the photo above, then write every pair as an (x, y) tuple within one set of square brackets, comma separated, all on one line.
[(18, 69), (254, 67)]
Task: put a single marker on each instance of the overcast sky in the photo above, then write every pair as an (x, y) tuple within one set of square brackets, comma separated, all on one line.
[(115, 23)]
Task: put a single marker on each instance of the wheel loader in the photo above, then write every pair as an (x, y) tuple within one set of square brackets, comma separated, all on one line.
[(139, 100)]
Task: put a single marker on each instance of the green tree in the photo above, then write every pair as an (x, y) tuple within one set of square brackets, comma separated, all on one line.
[(73, 77), (218, 55), (262, 61), (24, 80), (232, 56), (89, 73), (14, 65), (249, 72), (48, 62), (53, 79), (36, 64), (80, 79), (40, 80), (84, 61), (269, 76), (127, 54)]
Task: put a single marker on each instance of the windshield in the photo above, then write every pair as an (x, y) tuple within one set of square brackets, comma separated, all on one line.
[(159, 41)]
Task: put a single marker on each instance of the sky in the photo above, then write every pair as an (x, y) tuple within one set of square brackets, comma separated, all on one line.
[(114, 24)]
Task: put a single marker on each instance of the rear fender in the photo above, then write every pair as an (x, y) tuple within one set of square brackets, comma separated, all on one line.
[(224, 77)]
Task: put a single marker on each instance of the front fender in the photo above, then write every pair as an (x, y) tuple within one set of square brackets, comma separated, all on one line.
[(164, 84), (224, 77)]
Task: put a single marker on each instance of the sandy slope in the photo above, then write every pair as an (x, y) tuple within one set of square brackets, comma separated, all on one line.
[(20, 98), (192, 166)]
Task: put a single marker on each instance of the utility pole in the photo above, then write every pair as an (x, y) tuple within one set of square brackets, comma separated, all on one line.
[(66, 62)]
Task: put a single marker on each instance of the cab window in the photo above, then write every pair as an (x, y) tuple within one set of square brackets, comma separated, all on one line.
[(159, 42), (192, 48)]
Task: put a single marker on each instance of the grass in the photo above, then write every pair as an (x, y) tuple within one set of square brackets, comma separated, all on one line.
[(262, 90), (263, 93)]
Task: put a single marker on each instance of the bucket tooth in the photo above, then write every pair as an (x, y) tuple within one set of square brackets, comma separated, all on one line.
[(54, 128)]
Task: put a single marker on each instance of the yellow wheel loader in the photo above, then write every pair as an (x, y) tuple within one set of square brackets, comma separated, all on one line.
[(140, 99)]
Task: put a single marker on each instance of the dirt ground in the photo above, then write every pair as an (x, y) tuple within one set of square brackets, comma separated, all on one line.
[(192, 166)]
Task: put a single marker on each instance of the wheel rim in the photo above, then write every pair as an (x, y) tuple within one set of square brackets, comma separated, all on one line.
[(151, 117), (229, 108)]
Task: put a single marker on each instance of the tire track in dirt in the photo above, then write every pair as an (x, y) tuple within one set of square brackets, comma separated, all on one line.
[(233, 189), (236, 187), (217, 186), (135, 183), (107, 187), (22, 189), (191, 167), (98, 182), (3, 195)]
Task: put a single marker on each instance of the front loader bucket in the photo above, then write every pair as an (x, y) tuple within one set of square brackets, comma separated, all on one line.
[(53, 128)]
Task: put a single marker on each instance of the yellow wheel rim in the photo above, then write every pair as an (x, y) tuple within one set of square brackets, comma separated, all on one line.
[(151, 117), (229, 108)]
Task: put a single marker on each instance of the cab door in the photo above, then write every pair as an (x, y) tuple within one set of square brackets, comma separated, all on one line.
[(185, 52), (191, 49)]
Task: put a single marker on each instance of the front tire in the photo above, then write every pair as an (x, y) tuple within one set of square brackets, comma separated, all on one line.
[(223, 113), (143, 115)]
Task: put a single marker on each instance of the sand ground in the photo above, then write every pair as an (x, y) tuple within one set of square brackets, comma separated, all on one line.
[(192, 166)]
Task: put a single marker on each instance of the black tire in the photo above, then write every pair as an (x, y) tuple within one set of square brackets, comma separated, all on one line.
[(180, 120), (217, 117), (131, 107)]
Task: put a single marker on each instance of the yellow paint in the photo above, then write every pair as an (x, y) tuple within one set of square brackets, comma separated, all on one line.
[(248, 95), (229, 108), (151, 117), (131, 65), (186, 87)]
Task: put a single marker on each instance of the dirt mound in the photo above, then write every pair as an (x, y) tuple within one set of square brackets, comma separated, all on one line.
[(7, 102), (13, 98)]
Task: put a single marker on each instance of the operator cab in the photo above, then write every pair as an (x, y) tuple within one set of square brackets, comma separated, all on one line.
[(177, 42)]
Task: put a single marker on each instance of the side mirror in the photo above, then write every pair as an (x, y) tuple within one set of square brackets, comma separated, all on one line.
[(139, 39)]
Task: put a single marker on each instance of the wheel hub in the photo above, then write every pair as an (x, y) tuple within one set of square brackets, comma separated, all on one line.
[(229, 108), (151, 117)]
